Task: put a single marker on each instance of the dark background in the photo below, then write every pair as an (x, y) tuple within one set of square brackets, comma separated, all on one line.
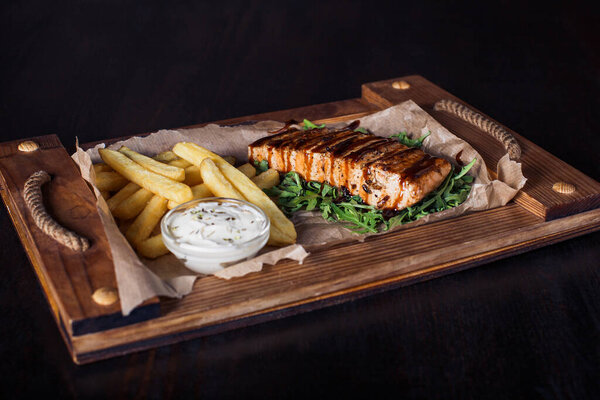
[(523, 327)]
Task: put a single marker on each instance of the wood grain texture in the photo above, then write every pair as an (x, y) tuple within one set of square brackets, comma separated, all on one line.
[(68, 277), (345, 271), (541, 168), (524, 327), (327, 277)]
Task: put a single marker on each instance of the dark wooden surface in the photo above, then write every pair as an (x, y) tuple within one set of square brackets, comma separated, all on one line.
[(523, 327), (347, 272), (69, 278)]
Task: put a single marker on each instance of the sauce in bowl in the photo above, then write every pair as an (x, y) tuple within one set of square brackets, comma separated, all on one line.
[(208, 234)]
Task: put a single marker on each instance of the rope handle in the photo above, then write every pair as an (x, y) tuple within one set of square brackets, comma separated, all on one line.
[(32, 194), (474, 118)]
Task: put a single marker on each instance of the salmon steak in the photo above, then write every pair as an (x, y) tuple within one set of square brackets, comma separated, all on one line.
[(382, 171)]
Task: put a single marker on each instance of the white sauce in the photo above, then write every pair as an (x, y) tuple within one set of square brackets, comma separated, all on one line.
[(214, 224)]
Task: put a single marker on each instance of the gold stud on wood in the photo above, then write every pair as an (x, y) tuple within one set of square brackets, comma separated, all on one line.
[(28, 146), (563, 187), (105, 296), (401, 85)]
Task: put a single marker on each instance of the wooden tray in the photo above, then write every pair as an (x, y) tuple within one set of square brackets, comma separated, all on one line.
[(538, 216)]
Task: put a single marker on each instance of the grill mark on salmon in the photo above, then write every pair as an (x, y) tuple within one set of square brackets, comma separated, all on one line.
[(382, 171), (343, 164)]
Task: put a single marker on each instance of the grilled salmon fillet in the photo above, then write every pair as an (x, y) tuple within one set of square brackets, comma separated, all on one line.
[(382, 171)]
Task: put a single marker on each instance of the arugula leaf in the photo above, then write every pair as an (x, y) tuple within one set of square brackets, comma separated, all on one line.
[(261, 166), (405, 140), (452, 192), (309, 125), (294, 193), (465, 169)]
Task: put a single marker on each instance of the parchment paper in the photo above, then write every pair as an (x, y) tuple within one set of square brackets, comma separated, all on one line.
[(139, 279)]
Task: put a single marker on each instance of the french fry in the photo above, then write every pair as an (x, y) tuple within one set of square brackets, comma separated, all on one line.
[(198, 191), (153, 247), (267, 179), (166, 156), (105, 194), (279, 238), (193, 153), (201, 191), (180, 163), (110, 181), (248, 170), (143, 225), (149, 180), (216, 182), (127, 191), (283, 230), (169, 171), (103, 167), (133, 205), (192, 175), (230, 159)]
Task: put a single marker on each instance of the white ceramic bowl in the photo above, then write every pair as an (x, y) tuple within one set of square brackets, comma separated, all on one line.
[(211, 259)]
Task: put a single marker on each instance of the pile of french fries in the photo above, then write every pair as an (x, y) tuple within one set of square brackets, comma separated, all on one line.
[(139, 190)]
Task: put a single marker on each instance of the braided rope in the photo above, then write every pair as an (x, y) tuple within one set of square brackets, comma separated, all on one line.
[(483, 123), (32, 193)]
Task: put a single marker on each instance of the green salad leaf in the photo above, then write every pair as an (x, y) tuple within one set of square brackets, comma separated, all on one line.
[(294, 193), (403, 138), (309, 125), (261, 166), (451, 193)]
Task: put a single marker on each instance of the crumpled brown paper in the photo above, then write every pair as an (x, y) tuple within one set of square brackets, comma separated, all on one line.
[(140, 279)]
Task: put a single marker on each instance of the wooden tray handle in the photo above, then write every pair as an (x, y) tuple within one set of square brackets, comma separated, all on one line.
[(32, 193), (483, 123)]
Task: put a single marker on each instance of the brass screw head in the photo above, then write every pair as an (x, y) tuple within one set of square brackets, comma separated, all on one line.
[(105, 296), (401, 85), (563, 187), (28, 146)]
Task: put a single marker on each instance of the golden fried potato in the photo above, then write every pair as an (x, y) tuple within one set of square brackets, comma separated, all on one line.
[(248, 170), (102, 167), (153, 247), (143, 225), (200, 191), (149, 180), (133, 205), (216, 182), (282, 229), (166, 156), (169, 171), (192, 175), (110, 181), (127, 191), (230, 159), (180, 163), (267, 179)]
